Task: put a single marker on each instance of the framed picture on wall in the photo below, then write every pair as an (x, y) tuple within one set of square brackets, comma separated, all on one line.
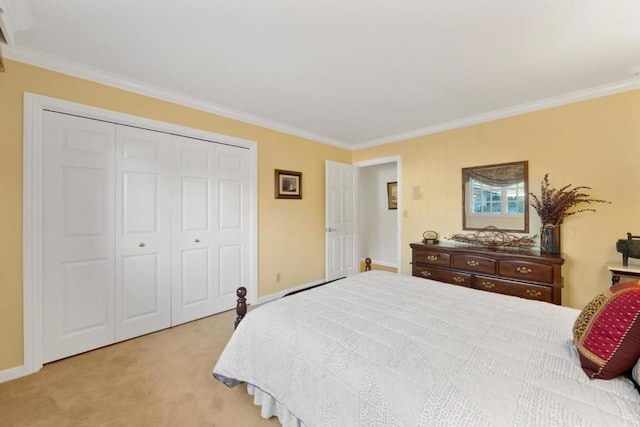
[(288, 184), (392, 195)]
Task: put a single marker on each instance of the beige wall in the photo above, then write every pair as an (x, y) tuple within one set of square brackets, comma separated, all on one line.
[(290, 232), (594, 143)]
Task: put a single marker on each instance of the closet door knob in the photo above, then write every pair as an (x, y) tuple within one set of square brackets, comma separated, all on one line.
[(197, 240), (142, 244)]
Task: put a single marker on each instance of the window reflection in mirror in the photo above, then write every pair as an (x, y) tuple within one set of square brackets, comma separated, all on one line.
[(496, 195)]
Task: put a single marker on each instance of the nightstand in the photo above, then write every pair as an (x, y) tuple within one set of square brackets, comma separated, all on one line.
[(618, 270)]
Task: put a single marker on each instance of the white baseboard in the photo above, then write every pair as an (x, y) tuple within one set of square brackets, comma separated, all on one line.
[(382, 263), (12, 373), (272, 297)]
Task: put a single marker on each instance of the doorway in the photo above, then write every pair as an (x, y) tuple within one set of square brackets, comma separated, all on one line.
[(379, 207)]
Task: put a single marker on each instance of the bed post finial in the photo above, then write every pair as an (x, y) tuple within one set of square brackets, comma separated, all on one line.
[(367, 264), (241, 308)]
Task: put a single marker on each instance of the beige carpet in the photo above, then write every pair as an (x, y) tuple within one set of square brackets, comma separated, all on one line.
[(161, 379)]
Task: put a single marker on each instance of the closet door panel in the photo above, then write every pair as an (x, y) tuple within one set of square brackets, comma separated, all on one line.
[(192, 231), (78, 235), (231, 219), (230, 274), (143, 236), (196, 265)]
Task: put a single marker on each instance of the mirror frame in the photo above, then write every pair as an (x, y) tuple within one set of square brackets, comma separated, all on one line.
[(465, 177)]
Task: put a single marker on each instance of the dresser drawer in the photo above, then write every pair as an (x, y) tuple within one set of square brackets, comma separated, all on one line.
[(474, 263), (439, 259), (526, 270), (523, 290), (447, 276)]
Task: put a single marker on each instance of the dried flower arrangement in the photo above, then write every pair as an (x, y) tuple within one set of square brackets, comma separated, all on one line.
[(554, 205)]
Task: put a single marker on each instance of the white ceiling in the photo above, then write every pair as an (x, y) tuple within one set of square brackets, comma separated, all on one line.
[(348, 72)]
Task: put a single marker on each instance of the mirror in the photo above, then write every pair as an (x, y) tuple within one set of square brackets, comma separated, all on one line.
[(496, 195)]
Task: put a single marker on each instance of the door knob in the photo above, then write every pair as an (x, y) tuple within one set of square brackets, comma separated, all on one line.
[(329, 229)]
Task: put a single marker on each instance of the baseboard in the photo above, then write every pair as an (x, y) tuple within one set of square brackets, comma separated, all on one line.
[(382, 263), (272, 297), (12, 373)]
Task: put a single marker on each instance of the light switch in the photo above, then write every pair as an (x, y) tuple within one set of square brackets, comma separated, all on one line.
[(418, 192)]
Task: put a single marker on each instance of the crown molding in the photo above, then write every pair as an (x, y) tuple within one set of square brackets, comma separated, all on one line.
[(57, 64), (60, 65), (556, 101), (14, 16)]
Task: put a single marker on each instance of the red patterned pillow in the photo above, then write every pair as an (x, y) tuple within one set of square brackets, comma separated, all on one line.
[(607, 332)]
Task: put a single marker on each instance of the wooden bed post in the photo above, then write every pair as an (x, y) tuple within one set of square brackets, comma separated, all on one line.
[(241, 308), (367, 264)]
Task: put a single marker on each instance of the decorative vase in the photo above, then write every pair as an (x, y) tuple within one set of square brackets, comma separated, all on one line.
[(550, 239)]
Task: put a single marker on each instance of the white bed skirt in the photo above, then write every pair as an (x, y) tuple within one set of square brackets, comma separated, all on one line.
[(271, 407)]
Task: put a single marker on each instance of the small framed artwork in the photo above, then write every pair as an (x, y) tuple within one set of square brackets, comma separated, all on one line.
[(392, 195), (288, 184)]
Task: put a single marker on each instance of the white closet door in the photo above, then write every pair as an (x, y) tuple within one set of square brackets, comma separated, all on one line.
[(143, 234), (78, 235), (231, 224), (192, 230)]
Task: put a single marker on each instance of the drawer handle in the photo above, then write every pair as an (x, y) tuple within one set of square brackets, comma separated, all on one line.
[(523, 270), (458, 279), (142, 244), (488, 285), (425, 273), (432, 257), (473, 263), (533, 293)]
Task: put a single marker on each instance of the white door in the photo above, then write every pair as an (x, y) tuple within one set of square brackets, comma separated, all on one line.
[(78, 235), (140, 230), (231, 225), (341, 218), (143, 236), (210, 249), (192, 230)]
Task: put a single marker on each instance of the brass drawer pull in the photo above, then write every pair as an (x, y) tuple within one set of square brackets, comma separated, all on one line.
[(533, 293), (432, 257), (458, 279), (488, 285), (425, 273), (523, 270), (473, 263)]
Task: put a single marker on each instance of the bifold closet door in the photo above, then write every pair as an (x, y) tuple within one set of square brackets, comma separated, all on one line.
[(143, 232), (106, 233), (192, 230), (210, 232), (78, 235), (232, 228)]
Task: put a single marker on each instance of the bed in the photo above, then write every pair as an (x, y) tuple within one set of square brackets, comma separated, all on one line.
[(385, 349)]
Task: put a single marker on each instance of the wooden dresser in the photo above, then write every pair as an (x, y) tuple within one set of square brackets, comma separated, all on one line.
[(521, 273)]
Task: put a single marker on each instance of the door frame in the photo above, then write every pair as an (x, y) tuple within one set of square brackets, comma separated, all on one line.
[(398, 161), (32, 268)]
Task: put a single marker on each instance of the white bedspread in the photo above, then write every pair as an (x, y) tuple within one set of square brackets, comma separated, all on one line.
[(381, 349)]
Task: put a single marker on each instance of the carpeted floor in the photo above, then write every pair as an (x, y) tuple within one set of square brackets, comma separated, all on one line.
[(160, 379)]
